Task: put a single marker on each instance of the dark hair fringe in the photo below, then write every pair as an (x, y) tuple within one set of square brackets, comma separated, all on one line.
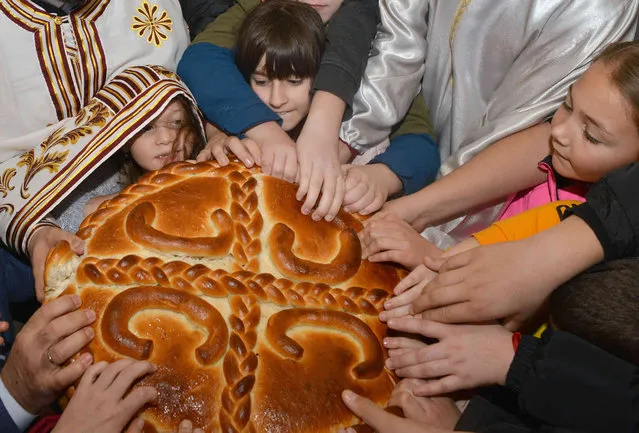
[(289, 34)]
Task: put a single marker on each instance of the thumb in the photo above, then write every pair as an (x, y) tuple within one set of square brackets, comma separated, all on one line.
[(372, 414), (136, 426), (77, 244), (434, 264)]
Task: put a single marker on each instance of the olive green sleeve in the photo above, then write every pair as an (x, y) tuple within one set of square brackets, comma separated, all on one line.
[(223, 31), (416, 121)]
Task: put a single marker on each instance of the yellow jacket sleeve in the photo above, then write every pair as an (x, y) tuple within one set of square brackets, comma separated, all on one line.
[(223, 31)]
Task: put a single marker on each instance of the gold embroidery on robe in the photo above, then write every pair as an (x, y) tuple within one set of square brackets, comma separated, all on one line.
[(157, 27)]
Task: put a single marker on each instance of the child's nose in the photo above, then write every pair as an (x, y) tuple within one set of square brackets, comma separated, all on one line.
[(165, 135), (278, 95)]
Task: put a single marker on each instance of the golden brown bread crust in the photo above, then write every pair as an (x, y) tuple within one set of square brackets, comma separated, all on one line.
[(257, 316)]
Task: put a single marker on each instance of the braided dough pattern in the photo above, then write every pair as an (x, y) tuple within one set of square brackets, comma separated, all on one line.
[(256, 315)]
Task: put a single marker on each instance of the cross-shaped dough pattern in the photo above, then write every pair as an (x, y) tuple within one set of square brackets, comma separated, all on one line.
[(257, 316)]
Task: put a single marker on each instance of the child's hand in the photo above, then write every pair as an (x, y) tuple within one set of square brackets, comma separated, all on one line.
[(368, 187), (93, 204), (43, 239), (278, 154), (318, 155), (186, 426), (319, 171), (390, 239), (219, 145), (380, 420), (408, 289), (102, 403), (439, 412), (465, 356), (4, 326)]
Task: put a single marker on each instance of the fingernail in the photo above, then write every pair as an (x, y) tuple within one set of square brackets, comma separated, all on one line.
[(86, 359), (347, 209), (90, 315), (89, 332), (389, 364), (305, 211), (349, 395), (139, 423), (316, 217), (385, 342), (388, 304), (329, 218), (77, 301), (382, 316), (249, 162)]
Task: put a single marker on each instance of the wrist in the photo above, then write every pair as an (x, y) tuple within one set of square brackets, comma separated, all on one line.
[(268, 132), (18, 392), (506, 354), (391, 183)]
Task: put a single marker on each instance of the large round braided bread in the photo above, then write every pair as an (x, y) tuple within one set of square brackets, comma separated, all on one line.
[(256, 315)]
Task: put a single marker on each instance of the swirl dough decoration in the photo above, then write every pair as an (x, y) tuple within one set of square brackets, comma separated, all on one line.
[(256, 315)]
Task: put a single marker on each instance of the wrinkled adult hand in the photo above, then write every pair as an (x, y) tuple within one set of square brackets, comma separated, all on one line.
[(367, 187), (500, 281), (464, 357), (439, 412), (43, 239), (382, 421), (390, 239), (219, 145), (34, 373), (99, 404), (408, 289)]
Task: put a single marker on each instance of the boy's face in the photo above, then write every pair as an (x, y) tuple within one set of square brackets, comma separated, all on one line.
[(164, 139), (290, 99), (325, 8), (593, 132)]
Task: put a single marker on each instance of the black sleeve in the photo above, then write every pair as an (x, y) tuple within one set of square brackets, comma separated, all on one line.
[(612, 212), (349, 36), (199, 13), (569, 383), (484, 416)]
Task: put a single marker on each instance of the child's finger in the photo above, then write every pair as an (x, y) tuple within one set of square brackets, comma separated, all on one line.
[(404, 343), (237, 147), (329, 193), (314, 188), (337, 200), (444, 385), (290, 166), (427, 328), (402, 311)]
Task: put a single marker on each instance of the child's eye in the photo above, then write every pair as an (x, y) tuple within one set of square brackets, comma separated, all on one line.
[(148, 128), (260, 82), (176, 124), (295, 81), (590, 138)]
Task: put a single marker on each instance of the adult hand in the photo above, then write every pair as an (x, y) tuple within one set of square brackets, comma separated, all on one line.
[(390, 239), (99, 404), (382, 421), (408, 289), (439, 412), (368, 186), (43, 239), (219, 145), (34, 373), (464, 357)]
